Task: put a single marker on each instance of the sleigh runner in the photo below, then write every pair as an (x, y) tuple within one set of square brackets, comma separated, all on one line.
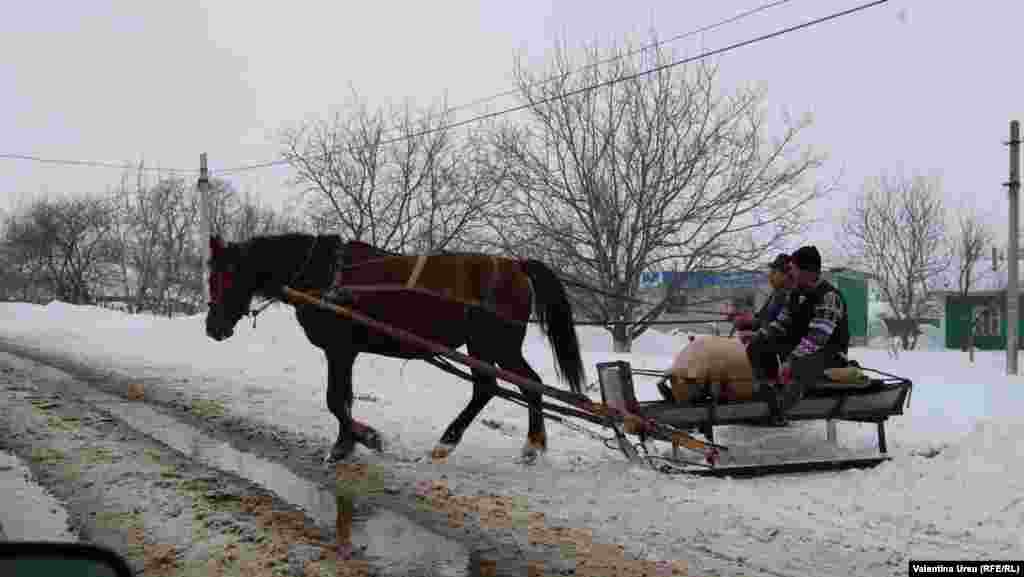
[(426, 306)]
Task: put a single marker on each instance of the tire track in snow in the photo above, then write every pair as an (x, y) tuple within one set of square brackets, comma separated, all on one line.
[(791, 543), (274, 444)]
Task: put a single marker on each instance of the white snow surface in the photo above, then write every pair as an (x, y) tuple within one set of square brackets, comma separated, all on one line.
[(955, 488), (27, 511)]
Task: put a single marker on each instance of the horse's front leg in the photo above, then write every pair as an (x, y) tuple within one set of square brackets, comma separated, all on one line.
[(339, 402)]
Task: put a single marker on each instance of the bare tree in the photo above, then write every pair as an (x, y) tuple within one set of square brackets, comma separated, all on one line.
[(252, 217), (973, 237), (225, 205), (164, 256), (897, 229), (649, 172), (399, 180), (20, 274), (67, 244), (138, 244), (124, 198), (142, 244), (156, 229), (177, 242)]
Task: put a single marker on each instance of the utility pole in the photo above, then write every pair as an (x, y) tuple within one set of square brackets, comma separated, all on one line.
[(204, 221), (1012, 298)]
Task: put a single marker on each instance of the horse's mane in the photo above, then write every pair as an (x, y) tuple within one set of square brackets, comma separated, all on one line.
[(371, 248), (300, 239), (293, 253), (288, 239)]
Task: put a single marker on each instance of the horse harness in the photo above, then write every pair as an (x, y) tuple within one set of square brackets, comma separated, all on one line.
[(339, 291), (343, 261)]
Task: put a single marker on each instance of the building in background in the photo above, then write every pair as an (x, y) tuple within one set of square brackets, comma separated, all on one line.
[(984, 306), (705, 296)]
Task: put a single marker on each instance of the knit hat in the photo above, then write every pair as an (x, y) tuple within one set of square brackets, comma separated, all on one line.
[(807, 259), (779, 263)]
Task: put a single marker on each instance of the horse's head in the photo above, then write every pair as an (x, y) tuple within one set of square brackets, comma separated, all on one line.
[(262, 266), (231, 288)]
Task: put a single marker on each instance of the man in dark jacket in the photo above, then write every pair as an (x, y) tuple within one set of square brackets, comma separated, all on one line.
[(782, 284), (813, 328), (771, 339)]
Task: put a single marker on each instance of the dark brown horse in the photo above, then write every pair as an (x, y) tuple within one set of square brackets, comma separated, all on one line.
[(487, 304)]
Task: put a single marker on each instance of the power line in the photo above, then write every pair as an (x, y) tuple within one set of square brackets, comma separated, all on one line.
[(584, 89), (92, 163), (511, 92), (719, 24), (519, 108)]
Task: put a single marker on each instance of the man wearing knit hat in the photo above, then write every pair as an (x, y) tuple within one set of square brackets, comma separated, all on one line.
[(782, 284), (815, 319)]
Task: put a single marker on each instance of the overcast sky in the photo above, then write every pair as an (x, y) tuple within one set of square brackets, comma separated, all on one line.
[(923, 86)]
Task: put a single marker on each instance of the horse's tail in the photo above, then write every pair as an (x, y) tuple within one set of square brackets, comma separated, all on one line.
[(555, 316)]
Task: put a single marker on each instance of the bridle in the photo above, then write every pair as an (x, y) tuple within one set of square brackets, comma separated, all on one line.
[(221, 281)]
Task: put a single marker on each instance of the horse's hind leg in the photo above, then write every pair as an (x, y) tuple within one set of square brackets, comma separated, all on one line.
[(536, 438), (482, 394)]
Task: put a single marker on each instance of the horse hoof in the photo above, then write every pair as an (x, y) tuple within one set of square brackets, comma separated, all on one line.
[(339, 452), (528, 459), (374, 441), (530, 455), (441, 452)]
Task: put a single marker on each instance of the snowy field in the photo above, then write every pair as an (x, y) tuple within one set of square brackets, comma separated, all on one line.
[(955, 488)]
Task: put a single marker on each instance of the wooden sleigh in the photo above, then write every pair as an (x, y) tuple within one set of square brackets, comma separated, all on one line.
[(711, 396)]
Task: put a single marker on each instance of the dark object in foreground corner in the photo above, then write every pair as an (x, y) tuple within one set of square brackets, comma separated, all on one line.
[(67, 559)]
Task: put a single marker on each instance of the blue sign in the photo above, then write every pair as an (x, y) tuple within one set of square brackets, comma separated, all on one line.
[(651, 279), (704, 279)]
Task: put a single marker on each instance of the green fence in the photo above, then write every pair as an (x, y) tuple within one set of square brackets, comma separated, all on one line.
[(854, 287)]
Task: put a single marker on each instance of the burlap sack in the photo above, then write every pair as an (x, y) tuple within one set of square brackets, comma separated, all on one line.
[(720, 361)]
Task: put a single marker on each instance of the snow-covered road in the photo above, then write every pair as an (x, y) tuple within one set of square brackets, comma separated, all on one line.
[(963, 436)]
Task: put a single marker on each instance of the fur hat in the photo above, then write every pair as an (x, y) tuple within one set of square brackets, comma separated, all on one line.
[(807, 259)]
